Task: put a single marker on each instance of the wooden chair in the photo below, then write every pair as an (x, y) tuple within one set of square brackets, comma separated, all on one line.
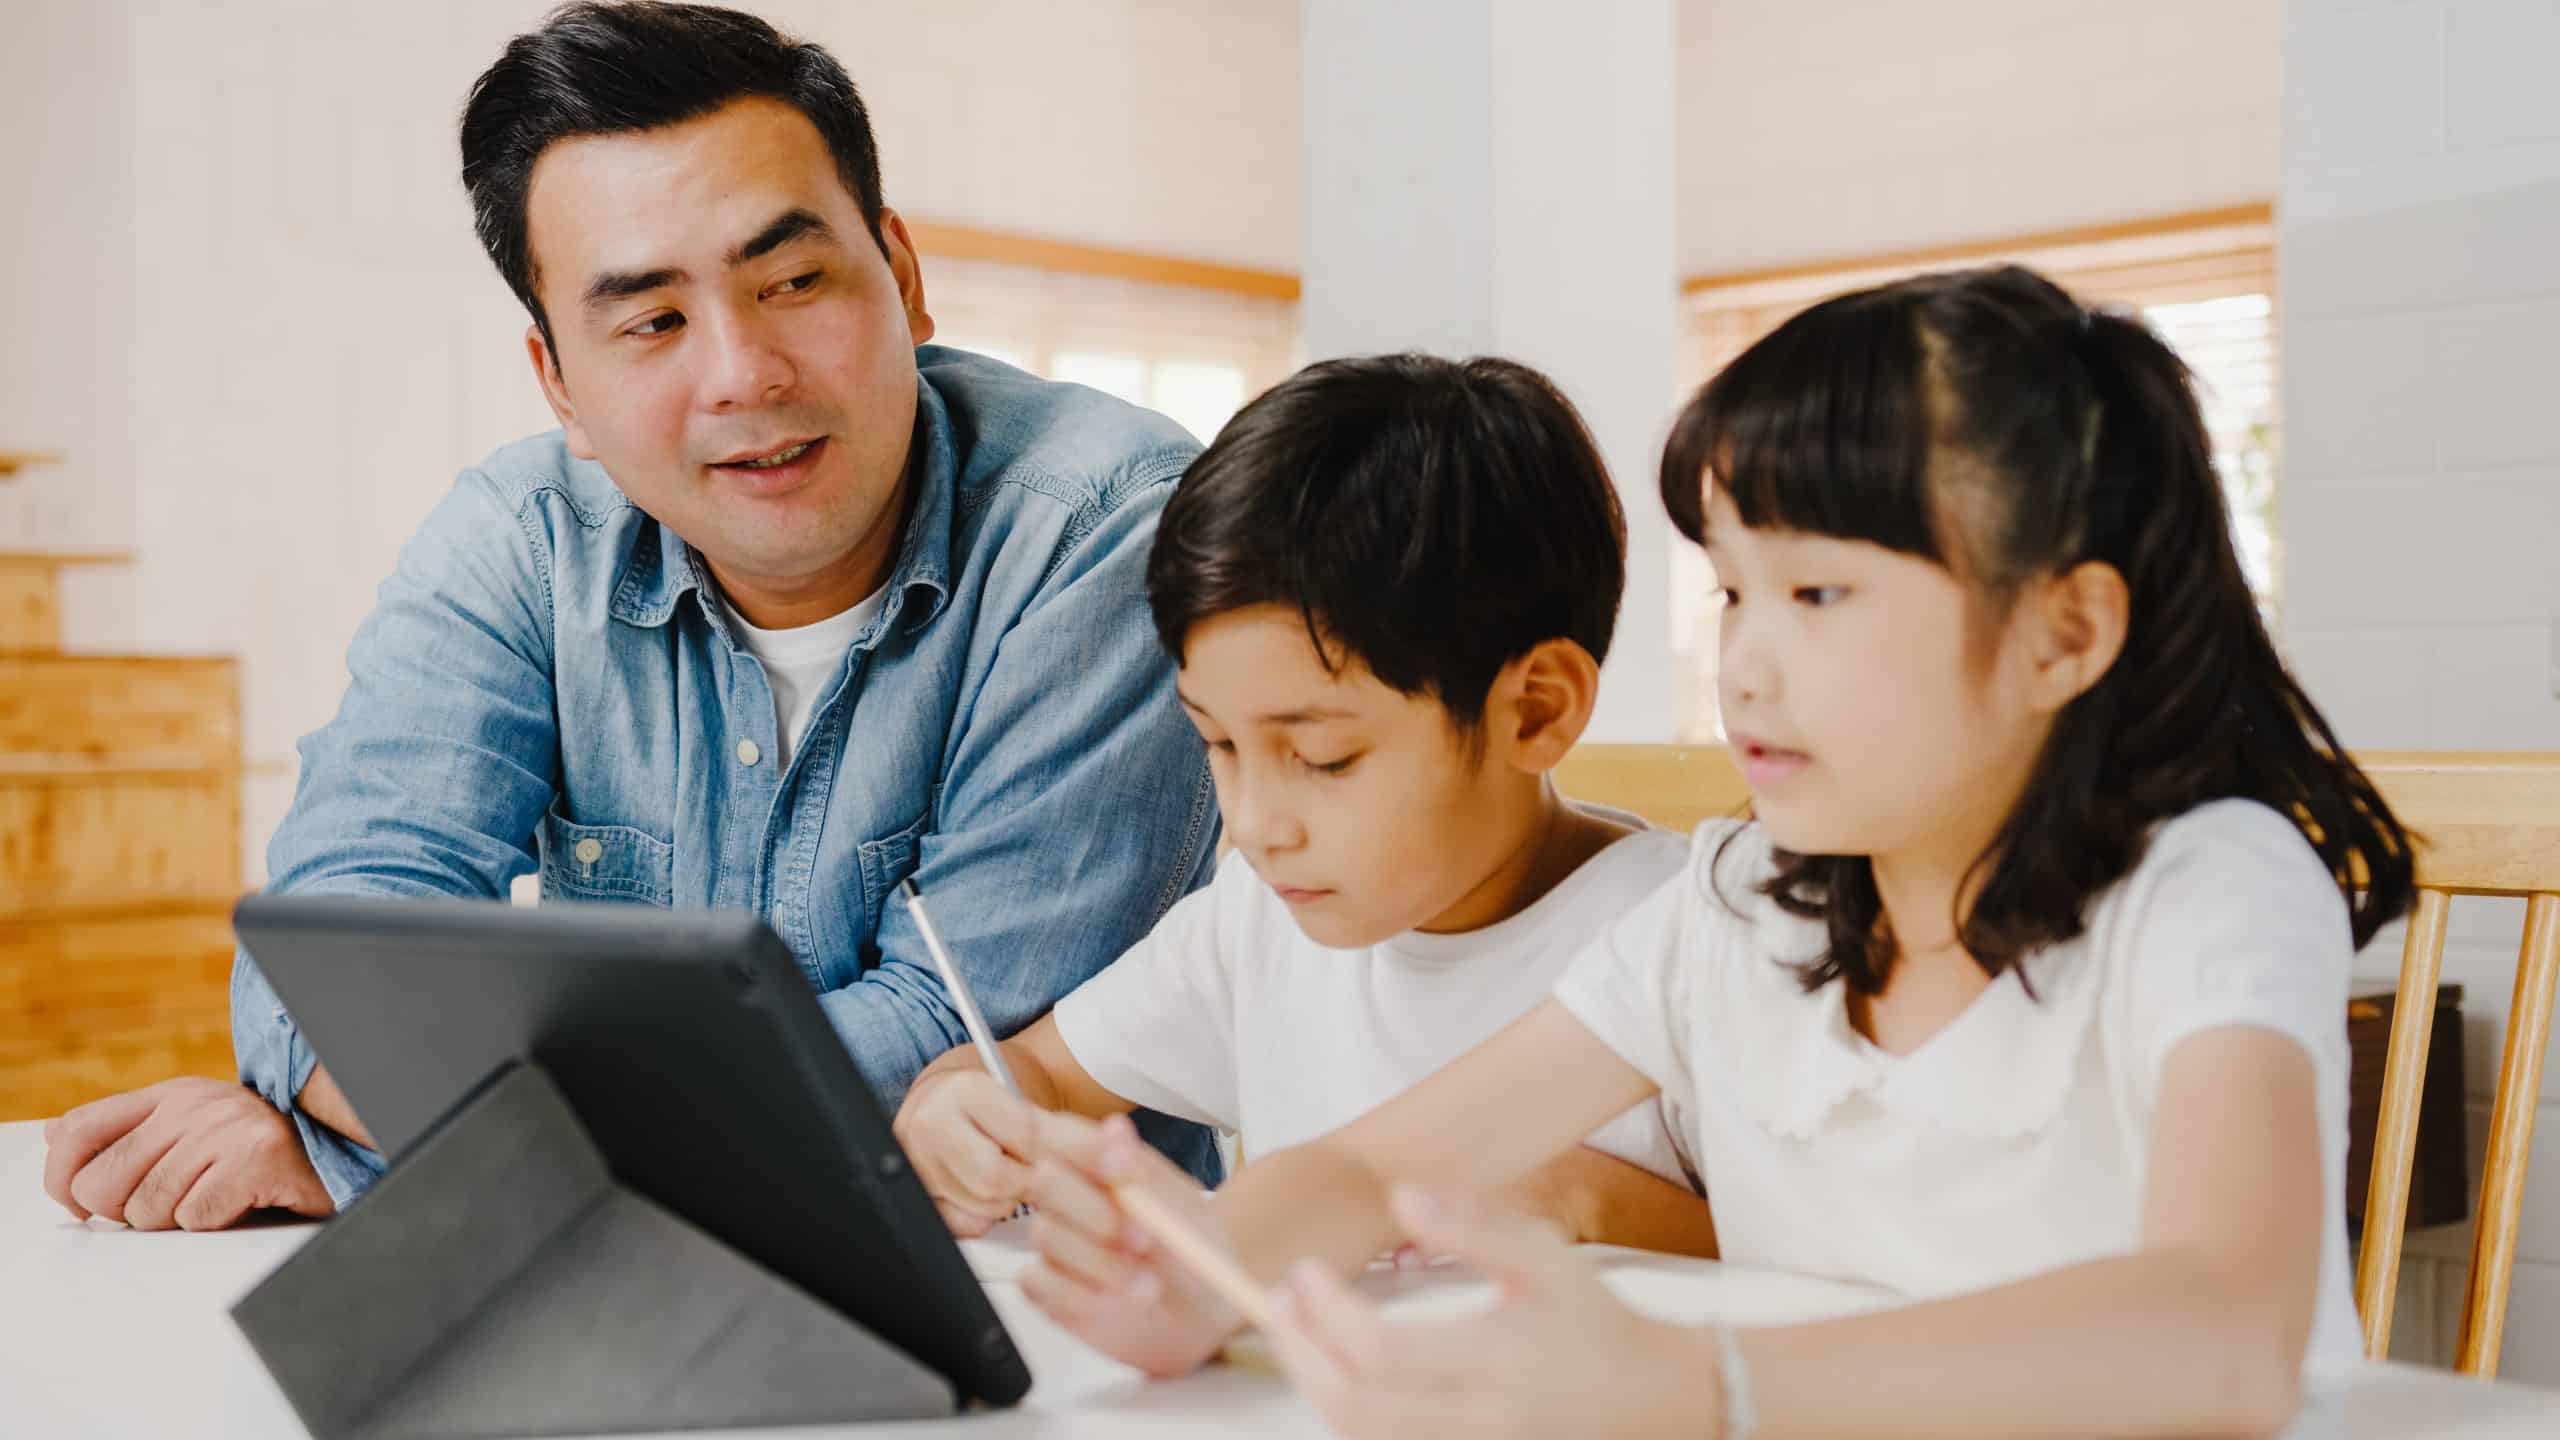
[(2488, 824)]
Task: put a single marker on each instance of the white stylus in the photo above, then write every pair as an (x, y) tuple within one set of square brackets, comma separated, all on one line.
[(979, 1035)]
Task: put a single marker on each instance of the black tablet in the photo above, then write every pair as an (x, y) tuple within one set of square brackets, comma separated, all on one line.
[(691, 1046)]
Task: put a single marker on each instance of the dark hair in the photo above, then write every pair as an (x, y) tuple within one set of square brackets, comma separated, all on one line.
[(2075, 437), (1434, 519), (603, 69)]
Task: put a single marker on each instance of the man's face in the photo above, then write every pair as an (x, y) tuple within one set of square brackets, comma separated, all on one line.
[(717, 301)]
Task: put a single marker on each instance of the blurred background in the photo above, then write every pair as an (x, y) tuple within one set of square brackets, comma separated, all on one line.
[(249, 338)]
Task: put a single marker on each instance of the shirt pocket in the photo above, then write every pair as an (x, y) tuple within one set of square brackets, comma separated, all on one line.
[(605, 862), (888, 860)]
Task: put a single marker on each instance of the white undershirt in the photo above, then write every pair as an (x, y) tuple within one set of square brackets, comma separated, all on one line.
[(801, 659)]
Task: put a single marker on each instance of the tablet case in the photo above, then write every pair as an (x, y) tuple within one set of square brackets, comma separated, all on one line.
[(700, 1082), (571, 1305)]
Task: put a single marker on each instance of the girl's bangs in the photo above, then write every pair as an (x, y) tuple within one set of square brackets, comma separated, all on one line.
[(1821, 427)]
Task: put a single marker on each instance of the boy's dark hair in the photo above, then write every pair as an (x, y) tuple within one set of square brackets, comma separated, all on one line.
[(1986, 421), (1433, 519), (602, 69)]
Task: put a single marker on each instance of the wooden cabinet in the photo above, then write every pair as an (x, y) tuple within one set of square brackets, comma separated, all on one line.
[(119, 858)]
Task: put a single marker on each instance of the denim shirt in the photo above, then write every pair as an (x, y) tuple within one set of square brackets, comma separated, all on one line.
[(549, 680)]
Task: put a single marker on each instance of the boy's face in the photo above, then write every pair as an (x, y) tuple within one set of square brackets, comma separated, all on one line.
[(1364, 809)]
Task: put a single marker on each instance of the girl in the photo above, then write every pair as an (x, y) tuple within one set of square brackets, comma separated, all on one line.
[(2021, 993)]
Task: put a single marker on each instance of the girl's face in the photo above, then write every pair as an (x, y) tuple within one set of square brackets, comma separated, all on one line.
[(1878, 706)]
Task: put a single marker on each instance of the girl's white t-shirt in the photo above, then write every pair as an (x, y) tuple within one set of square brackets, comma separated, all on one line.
[(1229, 1015), (2014, 1141)]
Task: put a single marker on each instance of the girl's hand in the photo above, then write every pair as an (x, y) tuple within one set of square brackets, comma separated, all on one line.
[(1557, 1355), (1100, 1274)]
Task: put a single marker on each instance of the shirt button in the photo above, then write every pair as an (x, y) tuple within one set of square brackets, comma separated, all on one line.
[(748, 752), (590, 850)]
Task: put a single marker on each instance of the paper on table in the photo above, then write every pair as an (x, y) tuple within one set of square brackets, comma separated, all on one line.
[(1001, 1255), (1671, 1288)]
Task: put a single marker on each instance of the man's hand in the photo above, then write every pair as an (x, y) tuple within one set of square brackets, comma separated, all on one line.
[(194, 1153), (972, 1143)]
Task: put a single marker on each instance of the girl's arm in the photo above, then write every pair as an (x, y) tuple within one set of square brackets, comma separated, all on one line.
[(1530, 1092), (2200, 1331)]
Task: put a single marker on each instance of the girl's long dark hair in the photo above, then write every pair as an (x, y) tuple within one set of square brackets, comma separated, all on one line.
[(1986, 421)]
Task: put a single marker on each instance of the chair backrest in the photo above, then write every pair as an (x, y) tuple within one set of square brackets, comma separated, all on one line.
[(2487, 824), (1673, 786)]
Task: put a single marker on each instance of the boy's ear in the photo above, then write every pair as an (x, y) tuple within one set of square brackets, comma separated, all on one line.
[(1541, 703)]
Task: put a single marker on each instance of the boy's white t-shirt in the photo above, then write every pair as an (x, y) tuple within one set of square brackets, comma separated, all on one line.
[(800, 659), (1229, 1015), (2013, 1141)]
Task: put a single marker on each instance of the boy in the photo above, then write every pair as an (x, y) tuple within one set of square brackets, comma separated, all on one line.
[(1388, 585)]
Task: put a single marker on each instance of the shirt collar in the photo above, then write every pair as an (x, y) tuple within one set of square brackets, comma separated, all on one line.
[(2000, 1069), (662, 569)]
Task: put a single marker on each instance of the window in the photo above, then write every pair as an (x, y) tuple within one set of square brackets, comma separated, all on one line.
[(2205, 282), (1195, 346)]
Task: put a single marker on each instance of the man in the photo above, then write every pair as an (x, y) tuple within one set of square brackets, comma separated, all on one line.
[(788, 610)]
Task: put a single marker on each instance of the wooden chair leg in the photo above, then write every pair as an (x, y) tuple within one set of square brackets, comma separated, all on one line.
[(2502, 1170), (2395, 1142)]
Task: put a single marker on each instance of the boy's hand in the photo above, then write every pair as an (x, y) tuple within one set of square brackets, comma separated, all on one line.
[(972, 1142), (1100, 1274)]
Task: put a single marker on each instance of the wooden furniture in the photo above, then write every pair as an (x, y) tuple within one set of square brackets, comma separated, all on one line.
[(1673, 786), (2488, 824), (13, 461), (119, 857), (31, 594), (2440, 1179)]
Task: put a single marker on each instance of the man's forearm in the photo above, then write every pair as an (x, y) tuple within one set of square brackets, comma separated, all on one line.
[(322, 1100)]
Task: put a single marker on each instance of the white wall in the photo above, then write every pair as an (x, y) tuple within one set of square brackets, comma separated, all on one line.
[(2421, 508), (1819, 128), (1168, 126), (1453, 151), (63, 320)]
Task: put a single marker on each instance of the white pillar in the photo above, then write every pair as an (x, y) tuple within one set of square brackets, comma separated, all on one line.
[(1495, 177)]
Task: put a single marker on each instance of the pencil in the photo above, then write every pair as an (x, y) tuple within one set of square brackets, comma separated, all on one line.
[(1205, 1260)]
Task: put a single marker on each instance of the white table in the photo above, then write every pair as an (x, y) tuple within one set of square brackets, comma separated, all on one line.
[(104, 1331)]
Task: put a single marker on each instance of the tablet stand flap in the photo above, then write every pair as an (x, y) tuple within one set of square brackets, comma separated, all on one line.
[(498, 1281)]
